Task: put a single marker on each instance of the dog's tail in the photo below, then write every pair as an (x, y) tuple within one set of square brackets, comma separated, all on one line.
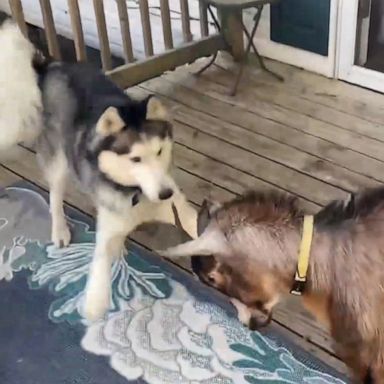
[(21, 118)]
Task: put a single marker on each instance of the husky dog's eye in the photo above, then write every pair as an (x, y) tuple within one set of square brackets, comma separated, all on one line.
[(136, 159), (160, 152)]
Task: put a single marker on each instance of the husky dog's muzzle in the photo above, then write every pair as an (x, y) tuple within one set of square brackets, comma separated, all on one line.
[(158, 187)]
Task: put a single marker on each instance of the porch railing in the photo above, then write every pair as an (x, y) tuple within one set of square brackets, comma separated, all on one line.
[(132, 71)]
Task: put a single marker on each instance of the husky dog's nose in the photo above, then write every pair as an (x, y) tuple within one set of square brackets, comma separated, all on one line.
[(165, 194)]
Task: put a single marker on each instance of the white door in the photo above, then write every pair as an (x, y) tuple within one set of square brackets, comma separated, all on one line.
[(310, 61), (353, 33)]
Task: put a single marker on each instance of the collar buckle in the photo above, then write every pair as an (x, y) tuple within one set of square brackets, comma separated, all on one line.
[(298, 286)]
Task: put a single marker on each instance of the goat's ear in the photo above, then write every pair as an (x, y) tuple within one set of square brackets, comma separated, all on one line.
[(207, 210), (210, 242)]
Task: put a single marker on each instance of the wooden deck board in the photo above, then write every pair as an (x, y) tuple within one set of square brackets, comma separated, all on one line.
[(263, 138), (273, 93), (282, 124), (315, 162), (341, 96)]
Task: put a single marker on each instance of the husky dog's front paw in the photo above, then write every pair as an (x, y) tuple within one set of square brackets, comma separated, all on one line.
[(97, 295), (61, 235), (95, 310), (95, 305)]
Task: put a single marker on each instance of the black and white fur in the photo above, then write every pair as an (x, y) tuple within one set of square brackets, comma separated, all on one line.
[(86, 129)]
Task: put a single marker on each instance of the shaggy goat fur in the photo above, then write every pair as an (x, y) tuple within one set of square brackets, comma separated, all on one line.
[(249, 249)]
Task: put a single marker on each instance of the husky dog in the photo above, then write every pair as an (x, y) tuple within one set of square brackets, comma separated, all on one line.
[(249, 251), (86, 129)]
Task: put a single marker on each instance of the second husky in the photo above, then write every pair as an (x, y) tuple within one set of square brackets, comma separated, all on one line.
[(87, 129)]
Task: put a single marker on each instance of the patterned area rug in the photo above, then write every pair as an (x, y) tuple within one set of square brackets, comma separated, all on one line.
[(164, 328)]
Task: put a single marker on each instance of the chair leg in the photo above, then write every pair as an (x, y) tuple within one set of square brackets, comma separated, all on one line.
[(215, 21), (259, 57), (239, 74), (246, 53), (206, 66), (213, 59)]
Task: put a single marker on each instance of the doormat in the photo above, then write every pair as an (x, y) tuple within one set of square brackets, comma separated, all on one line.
[(163, 328)]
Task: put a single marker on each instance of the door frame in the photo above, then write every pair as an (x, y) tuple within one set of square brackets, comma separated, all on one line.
[(346, 45), (325, 65)]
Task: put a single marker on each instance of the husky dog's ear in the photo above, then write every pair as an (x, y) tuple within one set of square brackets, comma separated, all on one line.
[(207, 210), (211, 242), (109, 122), (156, 110)]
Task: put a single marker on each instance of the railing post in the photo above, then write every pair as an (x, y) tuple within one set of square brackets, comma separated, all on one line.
[(77, 30), (125, 31), (166, 22), (105, 50), (18, 15), (50, 29), (146, 24), (185, 22), (203, 10), (232, 28)]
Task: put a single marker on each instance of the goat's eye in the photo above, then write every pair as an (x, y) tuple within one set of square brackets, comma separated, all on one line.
[(136, 159), (160, 152), (211, 280), (258, 304)]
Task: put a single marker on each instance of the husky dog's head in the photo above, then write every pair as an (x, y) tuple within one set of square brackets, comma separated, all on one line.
[(135, 148)]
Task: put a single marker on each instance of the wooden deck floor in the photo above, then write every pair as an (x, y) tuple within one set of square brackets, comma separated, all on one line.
[(317, 138)]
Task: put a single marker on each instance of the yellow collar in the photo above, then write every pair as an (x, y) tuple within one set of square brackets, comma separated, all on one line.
[(304, 254)]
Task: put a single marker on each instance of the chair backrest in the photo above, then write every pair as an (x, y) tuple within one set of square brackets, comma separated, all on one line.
[(238, 4)]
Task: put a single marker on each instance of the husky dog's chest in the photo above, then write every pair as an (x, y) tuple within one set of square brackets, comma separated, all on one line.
[(118, 201), (135, 208)]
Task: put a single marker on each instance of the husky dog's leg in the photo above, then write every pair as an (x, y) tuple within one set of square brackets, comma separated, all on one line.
[(110, 236), (56, 173), (187, 215)]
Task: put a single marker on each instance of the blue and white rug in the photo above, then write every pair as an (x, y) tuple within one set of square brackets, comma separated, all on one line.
[(164, 328)]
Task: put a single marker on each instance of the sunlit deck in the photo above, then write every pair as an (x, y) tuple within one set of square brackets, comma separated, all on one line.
[(313, 137)]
